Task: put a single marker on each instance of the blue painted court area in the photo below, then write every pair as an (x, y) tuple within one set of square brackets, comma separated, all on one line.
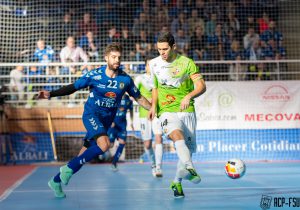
[(134, 188)]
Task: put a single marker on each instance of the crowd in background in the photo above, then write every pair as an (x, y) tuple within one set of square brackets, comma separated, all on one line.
[(204, 31)]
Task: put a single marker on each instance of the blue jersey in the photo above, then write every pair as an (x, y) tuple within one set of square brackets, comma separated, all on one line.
[(104, 98), (105, 92)]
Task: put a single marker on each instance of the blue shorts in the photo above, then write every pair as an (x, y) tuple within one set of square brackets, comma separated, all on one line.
[(96, 124), (117, 132)]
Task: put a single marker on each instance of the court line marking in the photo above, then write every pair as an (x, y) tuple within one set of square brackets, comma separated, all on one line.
[(15, 185), (165, 188)]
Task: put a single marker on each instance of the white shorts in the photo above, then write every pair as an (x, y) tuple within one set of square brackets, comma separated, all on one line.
[(148, 126), (184, 121)]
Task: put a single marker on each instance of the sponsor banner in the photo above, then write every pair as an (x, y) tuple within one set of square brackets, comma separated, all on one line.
[(249, 105), (221, 145), (31, 147)]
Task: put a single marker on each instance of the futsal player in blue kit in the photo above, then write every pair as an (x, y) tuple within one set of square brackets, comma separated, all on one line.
[(107, 85), (118, 128)]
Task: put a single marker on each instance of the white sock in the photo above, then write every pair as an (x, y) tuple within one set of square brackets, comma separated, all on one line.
[(158, 155), (183, 153), (180, 167), (150, 154)]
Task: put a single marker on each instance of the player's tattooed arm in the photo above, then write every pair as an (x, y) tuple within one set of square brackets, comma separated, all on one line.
[(141, 100)]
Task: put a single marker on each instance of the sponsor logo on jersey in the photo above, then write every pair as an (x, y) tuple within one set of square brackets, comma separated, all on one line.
[(110, 95), (170, 99)]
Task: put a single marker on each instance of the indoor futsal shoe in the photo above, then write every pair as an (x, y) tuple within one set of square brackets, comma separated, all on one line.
[(153, 170), (114, 167), (193, 176), (158, 172), (65, 174), (57, 189), (177, 189)]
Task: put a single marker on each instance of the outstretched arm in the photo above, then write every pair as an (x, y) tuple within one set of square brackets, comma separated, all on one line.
[(142, 101), (65, 90)]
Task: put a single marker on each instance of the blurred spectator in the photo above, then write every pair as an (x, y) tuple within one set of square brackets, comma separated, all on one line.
[(229, 38), (71, 53), (111, 36), (197, 44), (143, 46), (128, 44), (272, 34), (254, 52), (245, 9), (268, 50), (237, 71), (250, 23), (127, 68), (194, 21), (90, 45), (263, 23), (213, 7), (177, 7), (142, 23), (146, 9), (35, 78), (161, 19), (234, 51), (16, 85), (179, 23), (216, 44), (202, 13), (250, 38), (233, 23), (87, 24), (230, 7), (52, 80), (43, 53), (68, 27), (107, 14), (270, 6), (210, 25), (182, 42)]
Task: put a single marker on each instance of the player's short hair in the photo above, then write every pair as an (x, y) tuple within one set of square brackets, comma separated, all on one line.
[(166, 37), (113, 47)]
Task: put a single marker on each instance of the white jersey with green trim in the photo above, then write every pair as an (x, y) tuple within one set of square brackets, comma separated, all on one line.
[(173, 82)]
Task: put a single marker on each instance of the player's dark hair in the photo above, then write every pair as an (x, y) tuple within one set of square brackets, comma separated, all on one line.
[(166, 37), (113, 47)]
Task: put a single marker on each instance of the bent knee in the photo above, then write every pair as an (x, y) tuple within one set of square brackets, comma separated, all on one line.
[(103, 142)]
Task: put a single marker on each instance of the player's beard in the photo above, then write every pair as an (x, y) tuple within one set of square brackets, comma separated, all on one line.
[(114, 66)]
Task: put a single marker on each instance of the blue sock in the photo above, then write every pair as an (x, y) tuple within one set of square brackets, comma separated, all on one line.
[(118, 153), (76, 163), (57, 178)]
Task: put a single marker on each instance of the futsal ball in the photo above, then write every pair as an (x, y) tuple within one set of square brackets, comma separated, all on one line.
[(235, 168)]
